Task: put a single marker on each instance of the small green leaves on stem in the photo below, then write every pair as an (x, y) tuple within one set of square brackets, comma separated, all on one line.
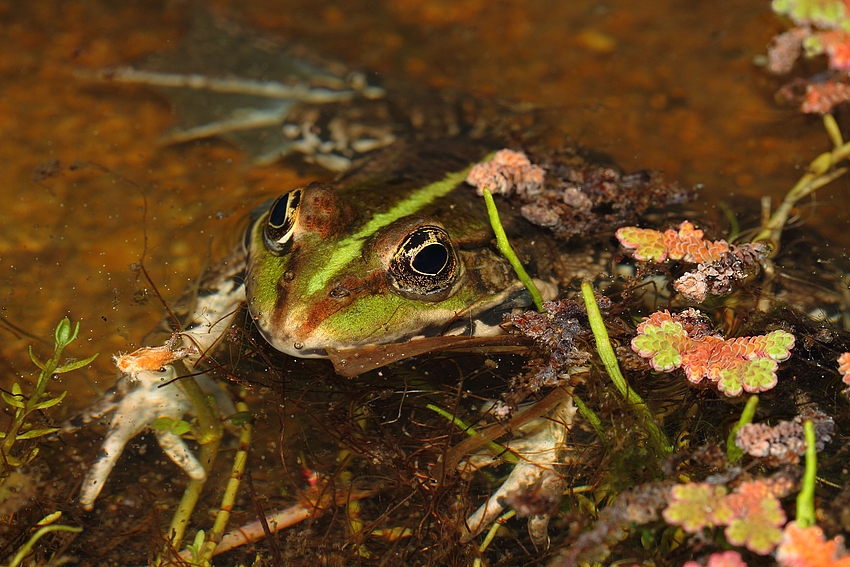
[(63, 334), (20, 428)]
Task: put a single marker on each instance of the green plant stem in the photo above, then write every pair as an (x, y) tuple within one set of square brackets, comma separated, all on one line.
[(588, 414), (733, 452), (209, 433), (210, 428), (806, 498), (494, 447), (191, 495), (609, 359), (240, 461), (508, 252), (24, 551), (817, 176)]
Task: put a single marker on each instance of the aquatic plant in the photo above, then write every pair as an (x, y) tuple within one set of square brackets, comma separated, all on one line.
[(752, 514), (721, 559), (807, 547), (719, 264), (844, 367), (822, 28), (684, 341), (785, 442), (507, 173), (685, 244), (23, 406)]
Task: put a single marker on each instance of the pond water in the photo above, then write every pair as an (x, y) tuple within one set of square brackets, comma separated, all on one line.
[(87, 191)]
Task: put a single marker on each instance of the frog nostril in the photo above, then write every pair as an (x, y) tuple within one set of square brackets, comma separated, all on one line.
[(339, 292)]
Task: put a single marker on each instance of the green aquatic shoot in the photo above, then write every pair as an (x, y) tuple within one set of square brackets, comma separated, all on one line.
[(806, 498), (591, 417), (821, 171), (733, 452), (228, 499), (609, 360), (494, 447), (24, 406), (508, 252), (27, 548)]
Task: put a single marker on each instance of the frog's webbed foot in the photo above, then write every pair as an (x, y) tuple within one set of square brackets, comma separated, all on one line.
[(535, 486), (150, 393)]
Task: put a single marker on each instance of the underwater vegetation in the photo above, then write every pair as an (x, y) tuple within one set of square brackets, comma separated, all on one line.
[(820, 28)]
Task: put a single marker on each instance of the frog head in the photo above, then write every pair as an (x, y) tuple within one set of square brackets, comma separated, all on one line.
[(371, 264)]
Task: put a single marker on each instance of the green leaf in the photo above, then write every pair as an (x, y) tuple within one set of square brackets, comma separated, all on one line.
[(16, 401), (67, 367), (13, 461), (34, 433), (63, 333), (50, 402), (694, 506), (241, 418), (180, 427), (176, 426), (35, 359), (163, 423)]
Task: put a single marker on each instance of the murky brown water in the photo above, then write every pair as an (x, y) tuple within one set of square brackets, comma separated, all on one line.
[(668, 85)]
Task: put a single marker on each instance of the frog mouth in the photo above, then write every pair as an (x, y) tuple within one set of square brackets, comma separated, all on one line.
[(482, 319)]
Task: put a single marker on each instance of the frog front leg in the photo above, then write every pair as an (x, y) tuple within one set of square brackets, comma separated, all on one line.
[(154, 396)]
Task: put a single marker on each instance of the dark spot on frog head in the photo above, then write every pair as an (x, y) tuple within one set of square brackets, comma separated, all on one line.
[(323, 212), (339, 292)]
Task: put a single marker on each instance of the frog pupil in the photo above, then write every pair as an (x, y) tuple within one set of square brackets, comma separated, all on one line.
[(431, 260)]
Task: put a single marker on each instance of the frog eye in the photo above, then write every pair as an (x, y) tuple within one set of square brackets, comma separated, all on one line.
[(280, 224), (425, 262)]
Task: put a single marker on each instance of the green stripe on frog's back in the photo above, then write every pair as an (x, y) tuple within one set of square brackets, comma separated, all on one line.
[(352, 246)]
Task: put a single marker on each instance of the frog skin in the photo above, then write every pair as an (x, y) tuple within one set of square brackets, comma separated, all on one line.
[(398, 250)]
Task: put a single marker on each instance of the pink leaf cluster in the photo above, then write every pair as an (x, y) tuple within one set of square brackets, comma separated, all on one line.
[(807, 547), (731, 365), (721, 559), (507, 172), (686, 244), (844, 367), (752, 514), (823, 28)]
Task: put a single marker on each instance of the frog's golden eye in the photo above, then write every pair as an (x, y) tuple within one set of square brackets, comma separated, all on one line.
[(425, 263), (277, 232)]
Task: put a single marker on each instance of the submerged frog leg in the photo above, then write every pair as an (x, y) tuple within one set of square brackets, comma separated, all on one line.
[(137, 411), (179, 453), (248, 119), (262, 95), (536, 478)]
